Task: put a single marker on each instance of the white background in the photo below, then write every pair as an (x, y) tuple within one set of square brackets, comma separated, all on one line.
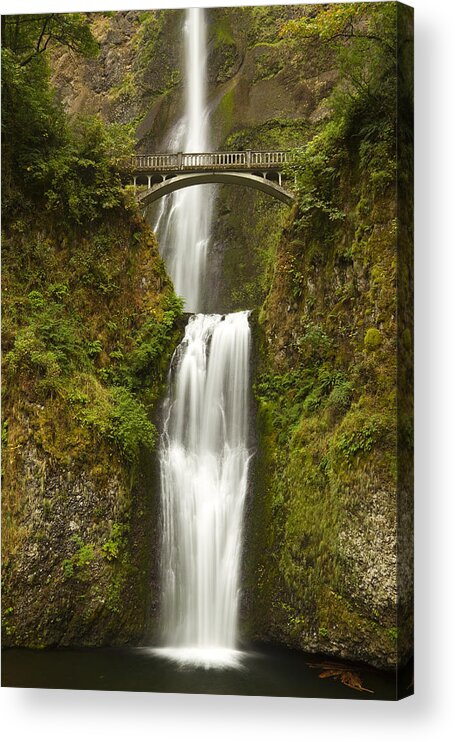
[(86, 716)]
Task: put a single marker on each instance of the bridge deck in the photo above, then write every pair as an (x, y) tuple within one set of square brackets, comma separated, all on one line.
[(183, 180), (201, 161)]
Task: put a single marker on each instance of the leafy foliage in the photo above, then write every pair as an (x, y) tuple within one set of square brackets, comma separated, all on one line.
[(363, 105), (76, 565), (48, 345), (28, 36), (51, 350), (64, 261), (73, 172), (362, 439), (153, 340), (81, 179), (327, 379), (130, 427), (111, 548)]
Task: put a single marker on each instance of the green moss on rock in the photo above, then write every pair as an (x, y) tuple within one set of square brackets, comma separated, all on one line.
[(372, 339), (92, 321), (325, 575)]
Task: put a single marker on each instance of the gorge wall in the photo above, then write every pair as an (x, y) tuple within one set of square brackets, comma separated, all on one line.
[(85, 358)]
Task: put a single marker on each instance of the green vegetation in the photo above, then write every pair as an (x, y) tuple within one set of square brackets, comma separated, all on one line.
[(55, 346), (263, 24), (249, 247), (279, 133), (372, 339), (225, 54), (7, 625), (70, 172), (90, 323), (111, 548), (146, 79), (326, 379), (28, 36), (149, 45), (60, 274), (80, 560)]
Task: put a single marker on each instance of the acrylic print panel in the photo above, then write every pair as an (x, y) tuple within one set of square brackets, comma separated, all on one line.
[(207, 433)]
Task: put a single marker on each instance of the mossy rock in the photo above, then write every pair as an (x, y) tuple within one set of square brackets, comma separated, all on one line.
[(372, 339)]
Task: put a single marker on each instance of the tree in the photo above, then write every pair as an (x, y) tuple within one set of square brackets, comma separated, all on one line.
[(28, 36), (32, 120), (364, 41), (374, 22), (364, 38)]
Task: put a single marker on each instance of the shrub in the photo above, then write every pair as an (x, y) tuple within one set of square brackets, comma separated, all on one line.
[(341, 395), (365, 432), (76, 564), (111, 548), (315, 345), (49, 344), (129, 424)]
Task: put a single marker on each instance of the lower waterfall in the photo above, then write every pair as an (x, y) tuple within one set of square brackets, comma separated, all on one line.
[(204, 461)]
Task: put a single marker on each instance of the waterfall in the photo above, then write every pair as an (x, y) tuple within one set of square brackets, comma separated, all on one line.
[(204, 467), (203, 446), (184, 222)]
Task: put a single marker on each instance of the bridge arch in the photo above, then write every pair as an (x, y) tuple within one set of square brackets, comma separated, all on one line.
[(171, 184)]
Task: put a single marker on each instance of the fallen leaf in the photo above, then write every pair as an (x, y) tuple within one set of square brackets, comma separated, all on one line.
[(347, 675)]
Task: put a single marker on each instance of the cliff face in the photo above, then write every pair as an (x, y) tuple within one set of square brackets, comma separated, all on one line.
[(264, 96), (135, 75), (326, 391), (88, 334)]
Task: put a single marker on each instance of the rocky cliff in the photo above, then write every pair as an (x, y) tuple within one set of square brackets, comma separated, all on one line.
[(88, 333)]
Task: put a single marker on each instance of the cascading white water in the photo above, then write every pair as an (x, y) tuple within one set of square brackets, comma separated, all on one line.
[(204, 469), (204, 445), (184, 222)]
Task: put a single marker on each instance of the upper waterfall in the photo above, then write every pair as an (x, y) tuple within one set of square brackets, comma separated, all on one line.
[(184, 221)]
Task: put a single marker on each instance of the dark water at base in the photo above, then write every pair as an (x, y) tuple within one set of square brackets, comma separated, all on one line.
[(263, 672)]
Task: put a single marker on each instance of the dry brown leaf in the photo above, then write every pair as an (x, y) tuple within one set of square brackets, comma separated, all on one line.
[(329, 673), (340, 672), (352, 680)]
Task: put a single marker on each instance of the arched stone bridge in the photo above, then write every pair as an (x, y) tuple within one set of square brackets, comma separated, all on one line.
[(166, 173)]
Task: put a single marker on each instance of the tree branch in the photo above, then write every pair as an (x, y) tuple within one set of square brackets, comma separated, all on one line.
[(36, 53), (46, 21)]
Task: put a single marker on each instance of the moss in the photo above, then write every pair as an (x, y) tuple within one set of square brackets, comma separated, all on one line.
[(275, 133), (248, 219), (372, 339), (226, 109), (92, 322), (331, 434), (225, 44), (126, 89)]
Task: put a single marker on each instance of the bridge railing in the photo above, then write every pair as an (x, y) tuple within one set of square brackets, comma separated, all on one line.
[(155, 162), (248, 160)]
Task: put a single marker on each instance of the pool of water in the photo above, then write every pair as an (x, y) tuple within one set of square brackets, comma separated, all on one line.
[(260, 671)]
